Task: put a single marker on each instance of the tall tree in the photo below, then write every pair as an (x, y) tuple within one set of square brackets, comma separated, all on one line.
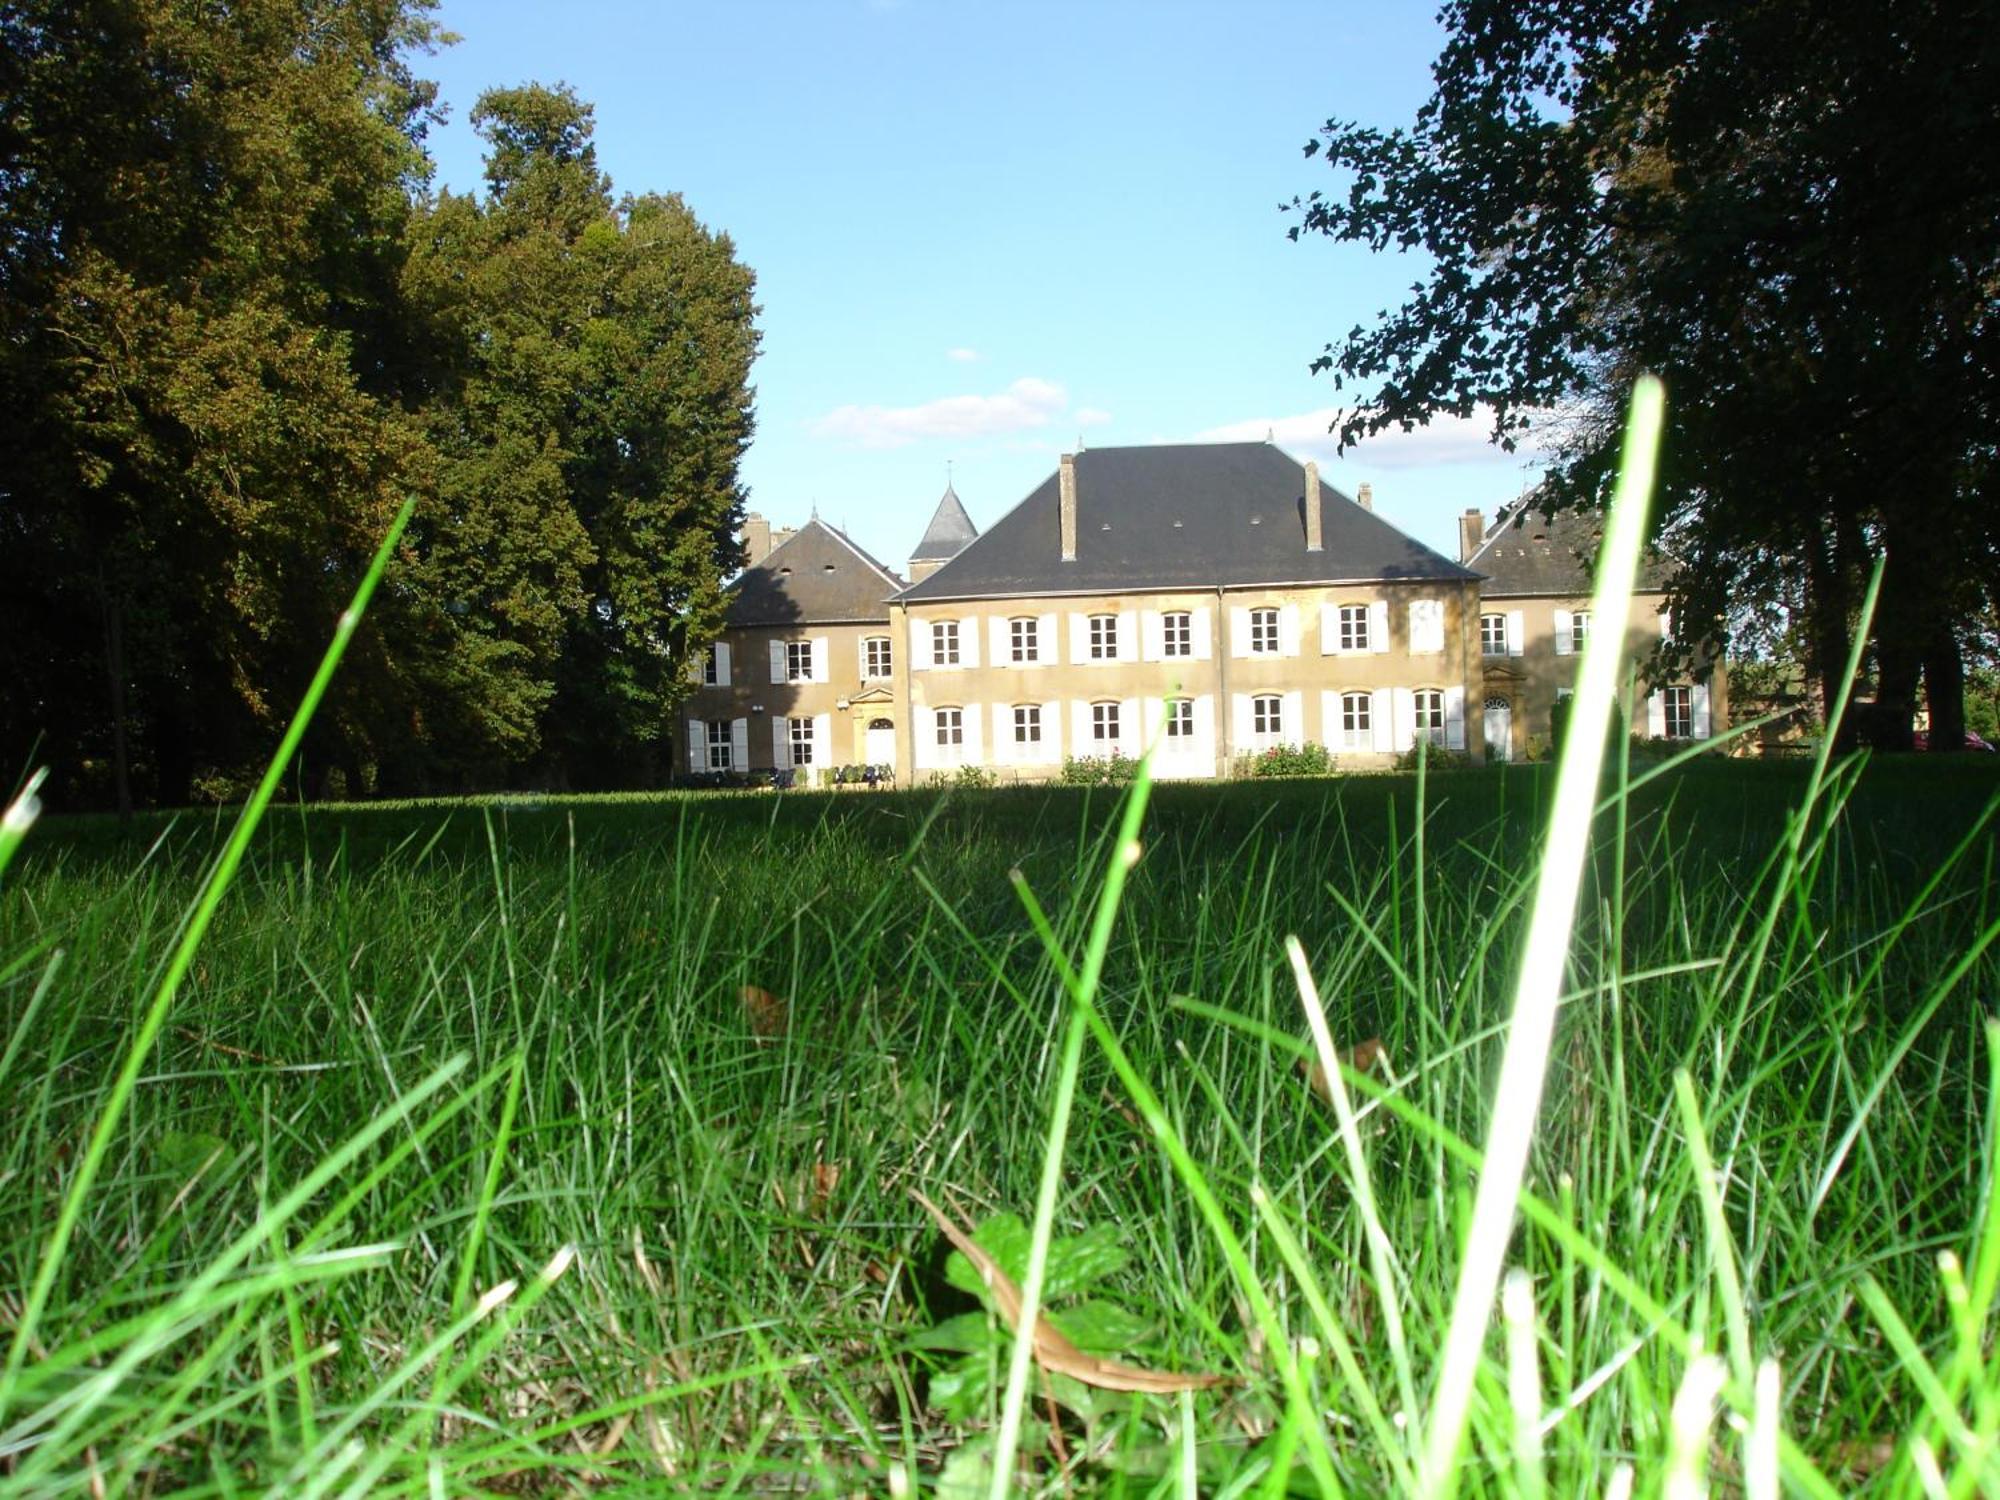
[(598, 407), (204, 207), (1792, 212)]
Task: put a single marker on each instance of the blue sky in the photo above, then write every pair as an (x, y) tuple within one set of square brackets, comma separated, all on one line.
[(983, 232)]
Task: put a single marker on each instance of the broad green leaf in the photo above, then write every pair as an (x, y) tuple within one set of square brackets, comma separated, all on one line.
[(1101, 1327)]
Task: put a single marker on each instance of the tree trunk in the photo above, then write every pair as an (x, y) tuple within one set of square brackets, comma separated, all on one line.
[(1826, 628), (114, 666), (1944, 688)]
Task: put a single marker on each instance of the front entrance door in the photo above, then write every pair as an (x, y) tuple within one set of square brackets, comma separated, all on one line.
[(881, 743), (1499, 729)]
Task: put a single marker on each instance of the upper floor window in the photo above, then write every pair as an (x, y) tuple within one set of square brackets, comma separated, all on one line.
[(1426, 626), (1430, 715), (1263, 632), (1493, 635), (1024, 640), (1104, 637), (1579, 631), (711, 666), (944, 646), (802, 742), (1679, 703), (1180, 717), (1356, 732), (718, 745), (1177, 634), (951, 726), (1267, 716), (1353, 627), (798, 661), (1104, 723), (876, 662), (1027, 723)]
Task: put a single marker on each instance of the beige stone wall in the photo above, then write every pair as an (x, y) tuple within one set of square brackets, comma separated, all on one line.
[(1220, 678), (1531, 679)]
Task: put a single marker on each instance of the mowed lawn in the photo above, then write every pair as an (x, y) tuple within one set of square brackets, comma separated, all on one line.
[(498, 1030)]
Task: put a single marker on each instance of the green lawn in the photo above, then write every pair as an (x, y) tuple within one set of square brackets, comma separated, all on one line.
[(751, 1272)]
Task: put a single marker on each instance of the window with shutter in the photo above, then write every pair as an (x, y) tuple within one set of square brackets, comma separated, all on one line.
[(1356, 723), (1493, 635), (1176, 633), (1104, 637), (1263, 632), (1353, 634), (876, 662), (944, 643), (1024, 640)]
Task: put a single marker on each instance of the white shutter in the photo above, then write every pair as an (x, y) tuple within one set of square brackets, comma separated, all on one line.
[(923, 737), (1329, 720), (1203, 750), (1666, 624), (1048, 648), (1288, 630), (822, 740), (722, 664), (1406, 717), (778, 673), (820, 673), (1152, 636), (1329, 628), (1378, 625), (973, 751), (1656, 716), (781, 742), (1000, 636), (1079, 640), (1128, 635), (739, 744), (1240, 723), (1516, 628), (1080, 743), (1426, 627), (1052, 735), (1131, 733), (1563, 628), (1292, 720), (920, 645), (1699, 702), (1199, 634), (968, 643), (1239, 630), (1380, 708), (697, 733), (1454, 718)]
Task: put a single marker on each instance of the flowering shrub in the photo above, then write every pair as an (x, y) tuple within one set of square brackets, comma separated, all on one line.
[(1288, 760), (1094, 770)]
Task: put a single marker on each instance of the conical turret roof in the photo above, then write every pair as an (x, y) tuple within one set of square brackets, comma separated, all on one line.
[(949, 532)]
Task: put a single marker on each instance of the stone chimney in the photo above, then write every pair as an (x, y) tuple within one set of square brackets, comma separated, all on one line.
[(1471, 532), (1364, 497), (1068, 487), (756, 539), (1315, 541)]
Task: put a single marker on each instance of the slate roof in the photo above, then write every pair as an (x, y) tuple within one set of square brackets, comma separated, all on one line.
[(1175, 516), (1529, 552), (817, 577), (949, 532)]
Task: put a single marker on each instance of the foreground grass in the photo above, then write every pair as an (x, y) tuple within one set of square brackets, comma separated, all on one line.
[(514, 1029)]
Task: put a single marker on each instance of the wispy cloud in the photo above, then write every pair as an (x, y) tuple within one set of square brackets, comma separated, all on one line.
[(1026, 404), (1446, 440), (962, 356), (1091, 416)]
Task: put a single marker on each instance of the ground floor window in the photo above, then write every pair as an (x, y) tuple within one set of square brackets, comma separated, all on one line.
[(1027, 723), (951, 726), (1104, 723), (1267, 716), (1356, 731), (1430, 715), (718, 745), (1180, 719), (802, 742), (1679, 703)]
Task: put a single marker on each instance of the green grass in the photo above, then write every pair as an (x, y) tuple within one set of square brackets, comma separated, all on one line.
[(423, 1049)]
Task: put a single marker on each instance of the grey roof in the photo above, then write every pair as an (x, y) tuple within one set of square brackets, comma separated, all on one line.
[(1529, 551), (817, 577), (949, 532), (1175, 516)]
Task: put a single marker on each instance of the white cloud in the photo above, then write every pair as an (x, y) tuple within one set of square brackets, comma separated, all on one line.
[(1446, 440), (1091, 416), (1025, 404), (962, 356)]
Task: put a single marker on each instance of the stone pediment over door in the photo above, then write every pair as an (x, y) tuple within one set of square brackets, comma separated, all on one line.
[(874, 693)]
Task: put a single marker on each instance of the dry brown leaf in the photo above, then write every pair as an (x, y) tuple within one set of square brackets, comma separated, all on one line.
[(1362, 1058), (1052, 1351), (769, 1015)]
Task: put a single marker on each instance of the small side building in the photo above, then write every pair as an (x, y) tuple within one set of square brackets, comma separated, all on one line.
[(1535, 618)]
